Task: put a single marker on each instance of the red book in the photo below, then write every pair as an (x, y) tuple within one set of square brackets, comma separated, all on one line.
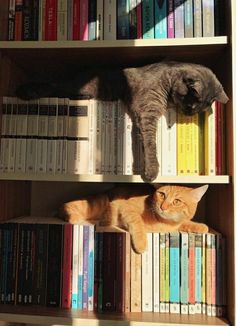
[(67, 266), (76, 19), (83, 29), (51, 20), (18, 20), (139, 19)]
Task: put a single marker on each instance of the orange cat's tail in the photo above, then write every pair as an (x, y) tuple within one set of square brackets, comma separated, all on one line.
[(94, 208)]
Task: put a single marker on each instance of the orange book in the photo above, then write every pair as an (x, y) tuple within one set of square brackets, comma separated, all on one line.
[(18, 20)]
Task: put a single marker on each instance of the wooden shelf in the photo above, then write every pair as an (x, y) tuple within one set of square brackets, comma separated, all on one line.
[(50, 316), (219, 179)]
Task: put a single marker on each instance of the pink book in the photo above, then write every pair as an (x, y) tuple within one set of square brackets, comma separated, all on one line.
[(51, 20), (67, 267), (76, 19), (83, 30), (170, 20)]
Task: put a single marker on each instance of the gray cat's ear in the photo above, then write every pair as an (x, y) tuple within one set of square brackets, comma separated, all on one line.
[(197, 193), (222, 97), (194, 85)]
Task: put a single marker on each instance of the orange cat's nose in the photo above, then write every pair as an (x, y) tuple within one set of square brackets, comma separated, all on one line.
[(164, 206)]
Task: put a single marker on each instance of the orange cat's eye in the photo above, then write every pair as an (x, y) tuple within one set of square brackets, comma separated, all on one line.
[(161, 195), (177, 202)]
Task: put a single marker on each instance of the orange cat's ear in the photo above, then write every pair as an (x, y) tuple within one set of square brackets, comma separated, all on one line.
[(199, 192)]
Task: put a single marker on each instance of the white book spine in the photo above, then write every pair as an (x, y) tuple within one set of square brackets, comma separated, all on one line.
[(12, 138), (184, 273), (59, 142), (107, 138), (21, 132), (62, 20), (169, 143), (211, 141), (32, 134), (52, 135), (65, 135), (127, 146), (159, 144), (3, 133), (120, 136), (147, 282), (109, 19), (156, 272), (103, 138), (42, 135), (98, 160), (7, 134), (92, 135), (99, 25)]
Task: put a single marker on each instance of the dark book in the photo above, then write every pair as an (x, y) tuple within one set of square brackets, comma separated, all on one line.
[(40, 264), (55, 245)]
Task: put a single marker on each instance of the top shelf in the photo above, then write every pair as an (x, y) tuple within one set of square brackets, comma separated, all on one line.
[(218, 40)]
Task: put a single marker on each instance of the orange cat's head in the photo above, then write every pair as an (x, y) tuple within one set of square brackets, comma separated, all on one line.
[(177, 203)]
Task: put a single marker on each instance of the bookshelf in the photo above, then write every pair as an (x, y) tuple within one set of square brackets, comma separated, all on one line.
[(25, 194)]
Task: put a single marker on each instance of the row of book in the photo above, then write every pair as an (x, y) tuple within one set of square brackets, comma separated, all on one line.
[(72, 266), (112, 19), (62, 136)]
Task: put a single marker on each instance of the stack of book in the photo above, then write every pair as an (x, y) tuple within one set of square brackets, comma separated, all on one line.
[(112, 19), (71, 266), (62, 136)]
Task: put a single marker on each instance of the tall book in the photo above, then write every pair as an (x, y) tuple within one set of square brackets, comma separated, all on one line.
[(170, 19), (52, 135), (18, 20), (42, 135), (32, 136), (184, 272), (162, 272), (83, 21), (188, 18), (148, 19), (179, 18), (147, 276), (50, 23), (175, 272), (156, 272), (210, 138), (135, 290), (123, 31), (12, 135), (109, 20), (160, 19), (208, 15), (191, 273), (62, 24), (197, 18), (21, 133), (198, 273)]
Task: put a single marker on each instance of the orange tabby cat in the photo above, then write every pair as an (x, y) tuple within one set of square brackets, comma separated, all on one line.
[(166, 209)]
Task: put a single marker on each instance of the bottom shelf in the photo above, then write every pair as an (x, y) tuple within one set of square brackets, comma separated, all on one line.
[(50, 316)]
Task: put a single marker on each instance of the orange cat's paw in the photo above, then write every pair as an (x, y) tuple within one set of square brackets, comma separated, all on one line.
[(139, 243), (67, 216), (194, 227)]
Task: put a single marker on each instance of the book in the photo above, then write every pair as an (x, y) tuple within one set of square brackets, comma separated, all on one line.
[(147, 276), (83, 20), (170, 19), (85, 267), (167, 272), (91, 269), (109, 20), (210, 144), (184, 272), (21, 134), (208, 274), (208, 22), (123, 27), (50, 22), (175, 272), (203, 277), (12, 135), (156, 272), (188, 18), (62, 23), (179, 18), (92, 6), (133, 16), (139, 19), (135, 287), (80, 266), (191, 273), (11, 20), (18, 20), (75, 267), (198, 273), (147, 19), (197, 18), (160, 19), (99, 20), (74, 19), (42, 135), (162, 273), (52, 135), (4, 21)]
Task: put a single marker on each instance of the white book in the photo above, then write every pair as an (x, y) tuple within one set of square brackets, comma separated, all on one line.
[(156, 272), (168, 144), (179, 18), (61, 20), (3, 133), (208, 23), (99, 25), (159, 144), (32, 135), (103, 139), (65, 135), (75, 266), (52, 135), (42, 135), (78, 137), (147, 282), (127, 146), (12, 138), (110, 137), (107, 108), (91, 269), (21, 132), (109, 19), (98, 153), (92, 115), (120, 138), (113, 145), (7, 134), (60, 134)]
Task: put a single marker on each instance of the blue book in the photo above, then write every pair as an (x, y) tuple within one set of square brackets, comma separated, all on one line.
[(85, 267), (188, 18), (198, 273), (160, 9), (174, 273), (148, 19), (91, 269), (123, 31)]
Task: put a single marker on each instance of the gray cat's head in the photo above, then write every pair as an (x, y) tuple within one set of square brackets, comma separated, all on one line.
[(195, 88)]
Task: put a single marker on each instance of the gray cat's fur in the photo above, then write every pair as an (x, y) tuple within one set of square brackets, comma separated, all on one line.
[(146, 91)]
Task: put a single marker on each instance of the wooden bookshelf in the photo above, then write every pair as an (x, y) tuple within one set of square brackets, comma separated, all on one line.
[(38, 195)]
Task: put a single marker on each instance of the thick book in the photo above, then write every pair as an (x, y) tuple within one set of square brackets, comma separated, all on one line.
[(83, 20), (135, 286)]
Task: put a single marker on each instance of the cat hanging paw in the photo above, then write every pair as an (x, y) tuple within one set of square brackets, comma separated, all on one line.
[(194, 227), (139, 242), (150, 172)]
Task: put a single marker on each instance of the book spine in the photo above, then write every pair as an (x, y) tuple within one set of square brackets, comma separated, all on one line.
[(51, 20), (156, 272), (127, 253), (100, 272), (60, 140), (78, 137), (188, 18), (52, 135), (42, 135), (67, 266), (110, 21), (213, 275), (3, 133), (148, 19), (55, 240), (91, 269), (210, 146), (162, 272), (92, 115), (6, 154), (139, 19), (127, 146), (21, 134), (12, 137), (208, 274), (135, 302), (123, 19), (184, 273), (147, 298), (84, 24), (11, 20), (21, 265), (181, 143), (170, 19), (4, 21), (65, 134), (174, 272), (120, 139), (74, 20), (167, 273), (92, 19), (98, 153), (80, 267), (41, 20), (203, 273), (219, 274), (132, 19), (32, 136), (197, 18), (191, 298), (160, 12), (75, 267), (85, 267), (12, 264), (62, 20), (120, 272), (208, 22), (179, 18), (198, 273), (99, 26), (18, 20)]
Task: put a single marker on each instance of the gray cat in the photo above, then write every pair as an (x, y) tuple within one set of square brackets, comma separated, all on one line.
[(146, 92)]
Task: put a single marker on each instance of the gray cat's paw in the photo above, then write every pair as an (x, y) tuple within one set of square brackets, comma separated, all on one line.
[(150, 173)]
